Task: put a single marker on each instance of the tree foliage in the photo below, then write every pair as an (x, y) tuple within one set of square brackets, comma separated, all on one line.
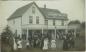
[(74, 22), (83, 25), (7, 36)]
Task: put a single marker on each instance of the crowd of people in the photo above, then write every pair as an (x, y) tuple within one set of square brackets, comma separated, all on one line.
[(68, 41), (39, 42)]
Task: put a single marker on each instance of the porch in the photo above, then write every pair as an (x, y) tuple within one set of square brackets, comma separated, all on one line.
[(30, 30), (43, 30), (35, 33)]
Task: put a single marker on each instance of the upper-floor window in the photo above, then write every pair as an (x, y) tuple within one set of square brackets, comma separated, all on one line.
[(53, 22), (46, 22), (30, 19), (33, 9), (62, 22), (37, 19)]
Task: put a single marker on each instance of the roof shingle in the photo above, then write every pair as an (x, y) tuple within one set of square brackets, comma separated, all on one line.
[(48, 13)]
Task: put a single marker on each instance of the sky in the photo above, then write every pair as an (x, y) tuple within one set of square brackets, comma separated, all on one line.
[(73, 8)]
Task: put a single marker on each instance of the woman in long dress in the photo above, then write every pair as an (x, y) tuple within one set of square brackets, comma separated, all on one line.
[(19, 45), (53, 43), (15, 45), (45, 44)]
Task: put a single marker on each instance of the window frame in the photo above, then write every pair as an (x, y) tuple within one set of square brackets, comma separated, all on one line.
[(37, 19), (30, 19), (62, 23), (46, 22), (54, 22), (33, 9)]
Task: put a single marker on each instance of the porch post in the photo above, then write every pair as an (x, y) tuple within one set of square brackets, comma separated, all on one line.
[(66, 30), (75, 32), (42, 32), (21, 34), (27, 35), (55, 32)]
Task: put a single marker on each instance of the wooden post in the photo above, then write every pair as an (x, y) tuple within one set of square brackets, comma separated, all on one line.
[(21, 34), (75, 32), (27, 35), (55, 32), (66, 30), (42, 32)]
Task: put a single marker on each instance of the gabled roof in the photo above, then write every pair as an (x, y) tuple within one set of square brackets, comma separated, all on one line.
[(53, 14), (46, 12), (20, 11)]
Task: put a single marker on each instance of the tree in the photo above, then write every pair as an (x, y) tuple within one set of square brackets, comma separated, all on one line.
[(83, 25), (7, 37), (74, 22)]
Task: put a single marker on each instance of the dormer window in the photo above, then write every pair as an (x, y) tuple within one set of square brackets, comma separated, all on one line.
[(33, 9)]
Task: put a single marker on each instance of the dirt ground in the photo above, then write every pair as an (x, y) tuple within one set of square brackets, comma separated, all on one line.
[(8, 49), (39, 50)]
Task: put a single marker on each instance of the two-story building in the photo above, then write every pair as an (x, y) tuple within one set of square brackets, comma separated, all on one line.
[(31, 19)]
